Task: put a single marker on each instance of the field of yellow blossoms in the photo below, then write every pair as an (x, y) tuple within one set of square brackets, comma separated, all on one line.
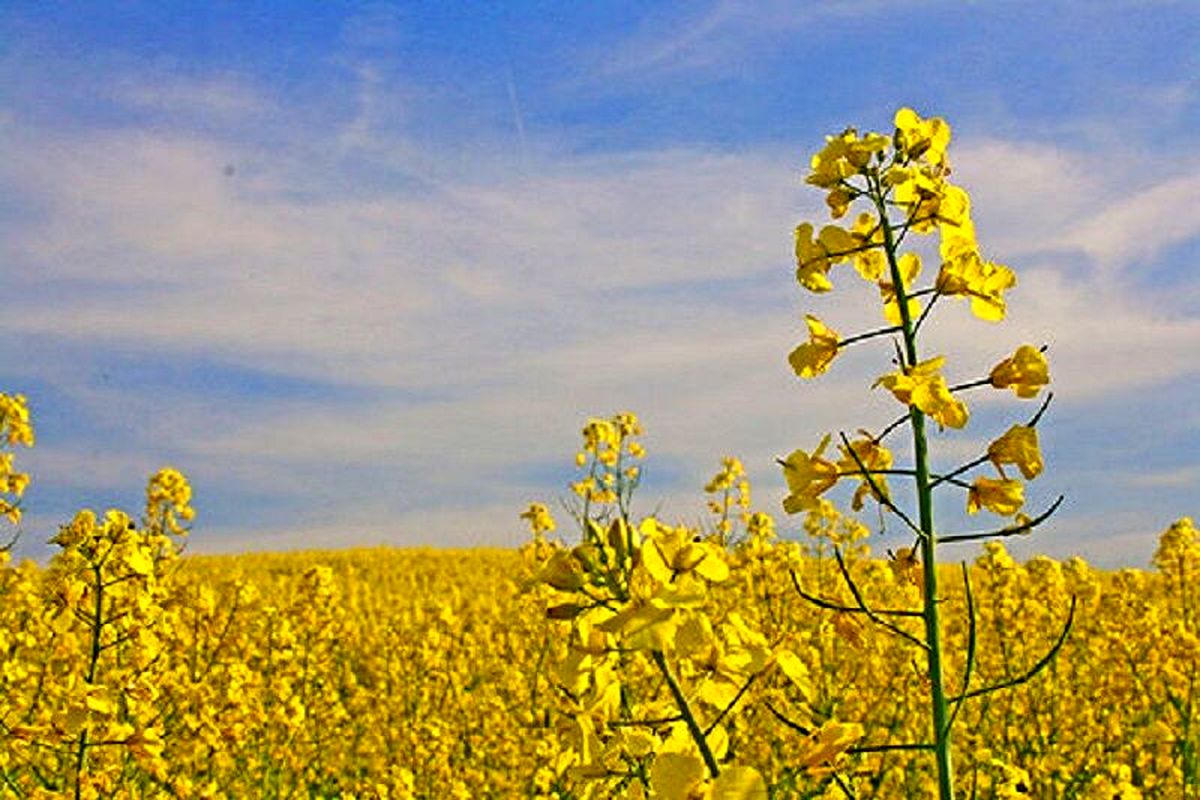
[(621, 655), (129, 671)]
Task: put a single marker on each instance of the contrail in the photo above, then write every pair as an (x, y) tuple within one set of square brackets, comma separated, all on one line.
[(516, 109)]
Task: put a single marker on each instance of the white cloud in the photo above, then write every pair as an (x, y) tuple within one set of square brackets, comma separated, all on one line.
[(1134, 229), (722, 32), (1179, 478), (224, 98), (529, 299)]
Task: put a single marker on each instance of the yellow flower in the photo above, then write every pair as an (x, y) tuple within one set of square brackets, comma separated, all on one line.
[(814, 257), (1019, 446), (924, 387), (627, 424), (909, 265), (843, 156), (954, 214), (807, 477), (1001, 495), (824, 745), (814, 356), (1025, 372), (966, 274), (668, 553), (873, 456), (918, 137), (919, 192), (871, 261), (15, 427), (838, 200), (599, 434), (168, 499), (538, 517)]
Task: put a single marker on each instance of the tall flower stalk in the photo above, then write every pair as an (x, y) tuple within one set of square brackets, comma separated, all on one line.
[(902, 180)]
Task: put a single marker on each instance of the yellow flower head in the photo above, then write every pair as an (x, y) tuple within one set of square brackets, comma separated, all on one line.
[(539, 519), (924, 387), (919, 191), (1018, 446), (1000, 495), (168, 500), (843, 156), (916, 137), (964, 273), (1025, 372), (731, 472), (873, 456), (599, 434), (807, 477), (814, 356), (15, 427), (868, 234), (909, 265), (815, 257)]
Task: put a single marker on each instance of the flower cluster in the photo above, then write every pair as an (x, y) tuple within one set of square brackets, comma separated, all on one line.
[(900, 185), (15, 429)]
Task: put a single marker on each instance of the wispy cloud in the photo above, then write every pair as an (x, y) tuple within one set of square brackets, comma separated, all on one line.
[(1133, 230), (703, 38), (526, 302), (394, 338), (227, 98)]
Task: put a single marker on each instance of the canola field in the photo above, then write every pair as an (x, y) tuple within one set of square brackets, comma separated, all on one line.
[(623, 655), (131, 672)]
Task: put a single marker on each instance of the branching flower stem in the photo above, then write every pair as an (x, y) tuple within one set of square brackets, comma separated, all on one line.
[(859, 337), (928, 540), (689, 718)]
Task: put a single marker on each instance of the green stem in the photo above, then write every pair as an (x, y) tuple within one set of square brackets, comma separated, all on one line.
[(933, 634), (689, 718), (97, 626)]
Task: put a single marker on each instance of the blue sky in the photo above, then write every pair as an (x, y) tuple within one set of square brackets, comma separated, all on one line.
[(363, 270)]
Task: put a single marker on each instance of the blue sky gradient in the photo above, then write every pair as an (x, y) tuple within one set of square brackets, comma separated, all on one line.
[(363, 270)]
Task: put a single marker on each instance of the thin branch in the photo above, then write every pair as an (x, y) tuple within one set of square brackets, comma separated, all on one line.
[(887, 748), (925, 311), (1038, 667), (796, 726), (953, 474), (871, 615), (972, 639), (983, 459), (685, 710), (880, 495), (1041, 410), (648, 723), (858, 337), (891, 426), (712, 725), (838, 256), (975, 384), (949, 478), (842, 785), (1012, 531), (830, 606)]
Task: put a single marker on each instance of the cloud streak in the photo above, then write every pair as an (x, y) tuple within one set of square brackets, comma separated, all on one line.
[(408, 360)]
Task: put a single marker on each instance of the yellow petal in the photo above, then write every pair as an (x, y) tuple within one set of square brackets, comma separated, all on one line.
[(739, 783)]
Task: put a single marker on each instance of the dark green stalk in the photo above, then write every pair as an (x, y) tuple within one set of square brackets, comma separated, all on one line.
[(97, 627), (689, 718), (933, 634)]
